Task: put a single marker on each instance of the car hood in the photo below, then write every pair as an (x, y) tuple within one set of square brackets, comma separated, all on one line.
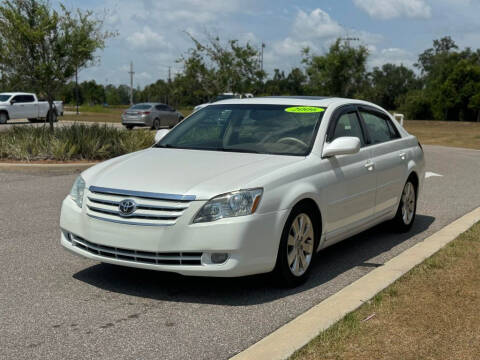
[(204, 174)]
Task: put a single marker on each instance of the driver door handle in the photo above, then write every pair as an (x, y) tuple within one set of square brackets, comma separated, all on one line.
[(369, 165)]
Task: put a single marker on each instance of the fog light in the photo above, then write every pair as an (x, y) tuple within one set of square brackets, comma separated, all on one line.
[(218, 258)]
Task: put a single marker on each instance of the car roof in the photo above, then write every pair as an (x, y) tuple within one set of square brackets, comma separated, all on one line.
[(322, 101), (16, 93)]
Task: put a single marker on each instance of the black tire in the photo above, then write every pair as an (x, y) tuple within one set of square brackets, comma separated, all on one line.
[(282, 273), (3, 118), (129, 127), (156, 124), (54, 117), (405, 216)]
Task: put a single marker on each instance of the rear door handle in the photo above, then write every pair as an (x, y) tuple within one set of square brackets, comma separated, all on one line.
[(403, 156), (370, 165)]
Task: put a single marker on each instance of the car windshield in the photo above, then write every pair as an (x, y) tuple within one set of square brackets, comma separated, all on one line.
[(140, 107), (264, 129), (4, 97)]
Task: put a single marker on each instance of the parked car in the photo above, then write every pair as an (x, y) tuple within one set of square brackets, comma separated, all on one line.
[(224, 96), (26, 106), (248, 186), (153, 115)]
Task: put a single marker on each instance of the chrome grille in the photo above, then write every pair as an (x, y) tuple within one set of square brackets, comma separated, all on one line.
[(158, 258), (152, 209)]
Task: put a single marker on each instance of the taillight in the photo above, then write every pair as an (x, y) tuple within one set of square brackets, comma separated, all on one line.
[(146, 113)]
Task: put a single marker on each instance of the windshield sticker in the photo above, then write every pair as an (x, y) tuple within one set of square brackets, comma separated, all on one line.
[(304, 109)]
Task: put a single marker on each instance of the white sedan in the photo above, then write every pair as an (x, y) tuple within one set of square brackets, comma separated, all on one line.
[(248, 186)]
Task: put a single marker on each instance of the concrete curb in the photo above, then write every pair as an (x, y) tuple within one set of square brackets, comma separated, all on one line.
[(297, 333), (45, 167)]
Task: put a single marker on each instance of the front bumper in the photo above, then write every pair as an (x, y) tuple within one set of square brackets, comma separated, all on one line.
[(250, 241)]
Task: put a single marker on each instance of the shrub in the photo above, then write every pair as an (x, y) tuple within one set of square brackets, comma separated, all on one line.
[(76, 142)]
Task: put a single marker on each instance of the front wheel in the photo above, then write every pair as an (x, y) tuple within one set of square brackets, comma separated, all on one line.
[(407, 208), (297, 248), (3, 118)]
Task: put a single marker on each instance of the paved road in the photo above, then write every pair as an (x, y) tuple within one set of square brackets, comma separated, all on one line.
[(55, 305)]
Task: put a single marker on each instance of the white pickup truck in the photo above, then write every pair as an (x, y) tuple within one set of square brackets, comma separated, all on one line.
[(26, 106)]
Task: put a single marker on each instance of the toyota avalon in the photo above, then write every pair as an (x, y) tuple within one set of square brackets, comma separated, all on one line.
[(248, 186)]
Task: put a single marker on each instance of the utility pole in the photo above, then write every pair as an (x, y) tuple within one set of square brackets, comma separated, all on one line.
[(348, 39), (261, 56), (76, 86), (169, 75), (131, 82)]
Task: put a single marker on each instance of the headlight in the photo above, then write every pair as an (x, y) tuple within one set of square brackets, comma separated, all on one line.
[(237, 203), (77, 191)]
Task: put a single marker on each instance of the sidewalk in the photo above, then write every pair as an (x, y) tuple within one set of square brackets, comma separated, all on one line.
[(433, 312)]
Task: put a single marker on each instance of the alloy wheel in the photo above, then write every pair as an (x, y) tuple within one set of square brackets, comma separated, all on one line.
[(408, 203), (300, 244)]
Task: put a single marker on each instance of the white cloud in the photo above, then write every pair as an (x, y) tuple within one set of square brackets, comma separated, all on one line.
[(395, 56), (315, 25), (316, 30), (147, 39), (389, 9)]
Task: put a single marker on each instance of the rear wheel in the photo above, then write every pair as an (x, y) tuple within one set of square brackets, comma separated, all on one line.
[(156, 124), (297, 247), (129, 127), (3, 118), (407, 208), (53, 116)]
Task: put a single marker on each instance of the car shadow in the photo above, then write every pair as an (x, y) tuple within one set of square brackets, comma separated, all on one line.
[(333, 261)]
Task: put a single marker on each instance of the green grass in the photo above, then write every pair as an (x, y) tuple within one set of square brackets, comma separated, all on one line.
[(100, 114), (77, 142), (96, 108)]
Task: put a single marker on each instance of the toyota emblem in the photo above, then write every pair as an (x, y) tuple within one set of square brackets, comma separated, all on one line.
[(127, 207)]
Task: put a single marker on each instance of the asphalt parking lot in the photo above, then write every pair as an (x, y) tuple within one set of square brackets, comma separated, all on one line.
[(55, 305)]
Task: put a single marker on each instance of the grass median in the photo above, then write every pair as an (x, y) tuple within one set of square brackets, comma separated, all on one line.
[(71, 143), (430, 313), (446, 133), (100, 114)]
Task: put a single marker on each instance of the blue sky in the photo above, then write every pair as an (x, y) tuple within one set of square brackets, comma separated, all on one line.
[(152, 32)]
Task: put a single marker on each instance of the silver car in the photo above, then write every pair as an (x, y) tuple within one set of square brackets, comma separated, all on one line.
[(153, 115)]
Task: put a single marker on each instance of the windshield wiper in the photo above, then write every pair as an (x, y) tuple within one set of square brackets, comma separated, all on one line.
[(239, 150), (168, 146)]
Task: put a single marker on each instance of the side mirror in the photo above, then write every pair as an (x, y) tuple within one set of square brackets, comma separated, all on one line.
[(160, 134), (12, 102), (342, 146)]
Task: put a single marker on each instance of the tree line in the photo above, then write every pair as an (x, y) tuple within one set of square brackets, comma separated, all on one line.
[(42, 49), (444, 84)]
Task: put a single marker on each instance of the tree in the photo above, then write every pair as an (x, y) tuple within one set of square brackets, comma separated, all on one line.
[(213, 67), (387, 84), (340, 72), (43, 47)]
